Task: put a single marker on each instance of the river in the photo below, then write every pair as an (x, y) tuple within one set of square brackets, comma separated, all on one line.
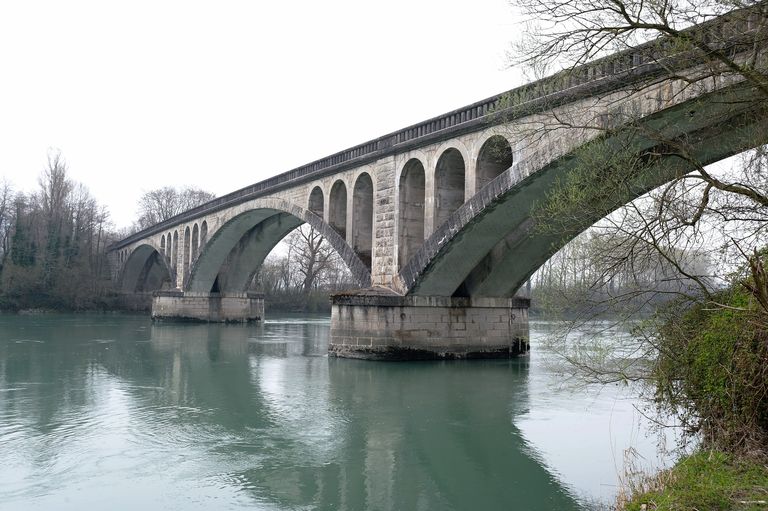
[(115, 412)]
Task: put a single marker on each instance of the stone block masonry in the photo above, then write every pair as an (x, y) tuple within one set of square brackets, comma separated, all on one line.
[(207, 307), (376, 325)]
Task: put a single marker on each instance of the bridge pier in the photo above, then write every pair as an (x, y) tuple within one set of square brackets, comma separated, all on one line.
[(377, 325), (207, 307)]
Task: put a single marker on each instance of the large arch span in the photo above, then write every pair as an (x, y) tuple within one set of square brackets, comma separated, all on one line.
[(145, 269), (491, 245), (235, 252)]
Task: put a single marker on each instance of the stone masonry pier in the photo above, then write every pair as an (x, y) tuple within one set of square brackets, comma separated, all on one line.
[(379, 325), (208, 307)]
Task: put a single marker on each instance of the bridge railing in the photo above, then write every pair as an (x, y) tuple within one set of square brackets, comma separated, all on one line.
[(627, 67)]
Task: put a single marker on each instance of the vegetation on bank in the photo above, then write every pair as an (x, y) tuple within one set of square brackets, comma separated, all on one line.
[(712, 371), (52, 245), (711, 374), (54, 241), (707, 480)]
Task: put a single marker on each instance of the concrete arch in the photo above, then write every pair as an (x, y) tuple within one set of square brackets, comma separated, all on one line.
[(144, 269), (203, 233), (490, 246), (316, 201), (412, 198), (337, 207), (241, 240), (162, 245), (450, 176), (494, 157), (362, 218), (245, 259)]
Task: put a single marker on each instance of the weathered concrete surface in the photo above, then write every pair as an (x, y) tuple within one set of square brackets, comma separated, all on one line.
[(207, 307), (374, 324)]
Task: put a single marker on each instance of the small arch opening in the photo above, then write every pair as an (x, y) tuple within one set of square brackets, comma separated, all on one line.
[(338, 208), (175, 255), (187, 240), (203, 233), (495, 157), (449, 184), (316, 202), (411, 210), (195, 241), (362, 218)]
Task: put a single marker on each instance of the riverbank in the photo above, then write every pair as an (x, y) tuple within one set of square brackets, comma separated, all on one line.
[(704, 480)]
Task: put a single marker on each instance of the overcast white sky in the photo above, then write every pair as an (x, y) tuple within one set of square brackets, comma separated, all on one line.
[(218, 95)]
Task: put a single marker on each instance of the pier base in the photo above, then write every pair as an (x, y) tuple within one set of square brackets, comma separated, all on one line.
[(207, 307), (379, 326)]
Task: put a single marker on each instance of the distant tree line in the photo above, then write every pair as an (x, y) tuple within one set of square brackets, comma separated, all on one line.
[(595, 275), (52, 244), (54, 240)]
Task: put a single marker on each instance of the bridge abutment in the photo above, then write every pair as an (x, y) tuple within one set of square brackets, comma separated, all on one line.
[(207, 307), (377, 325)]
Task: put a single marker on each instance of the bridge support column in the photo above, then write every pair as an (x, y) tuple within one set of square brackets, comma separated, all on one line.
[(373, 325), (207, 307)]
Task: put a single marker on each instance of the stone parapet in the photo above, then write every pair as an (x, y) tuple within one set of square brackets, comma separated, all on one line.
[(383, 326), (207, 307)]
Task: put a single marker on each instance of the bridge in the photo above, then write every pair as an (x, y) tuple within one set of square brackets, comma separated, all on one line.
[(435, 221)]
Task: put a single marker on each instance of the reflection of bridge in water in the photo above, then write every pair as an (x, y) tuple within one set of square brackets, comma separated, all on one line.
[(435, 220), (338, 435)]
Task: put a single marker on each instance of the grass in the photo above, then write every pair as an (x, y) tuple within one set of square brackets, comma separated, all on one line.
[(709, 480)]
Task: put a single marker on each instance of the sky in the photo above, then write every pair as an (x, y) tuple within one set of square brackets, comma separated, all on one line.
[(218, 95)]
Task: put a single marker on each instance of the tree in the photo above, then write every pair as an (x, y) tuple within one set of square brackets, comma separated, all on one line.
[(692, 205), (719, 215), (301, 272), (6, 218), (312, 256), (163, 203), (53, 243)]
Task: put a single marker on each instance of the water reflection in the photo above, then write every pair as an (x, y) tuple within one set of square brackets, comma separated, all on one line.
[(120, 412)]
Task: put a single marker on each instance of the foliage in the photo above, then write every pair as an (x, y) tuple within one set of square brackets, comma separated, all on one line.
[(708, 352), (700, 210), (712, 370), (709, 480), (52, 245)]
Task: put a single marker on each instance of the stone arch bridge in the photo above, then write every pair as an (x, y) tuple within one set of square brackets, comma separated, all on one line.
[(435, 220)]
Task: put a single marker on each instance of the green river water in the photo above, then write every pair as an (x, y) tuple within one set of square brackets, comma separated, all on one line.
[(115, 412)]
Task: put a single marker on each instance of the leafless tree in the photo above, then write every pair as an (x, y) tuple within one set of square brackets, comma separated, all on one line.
[(716, 214), (312, 256), (166, 202), (699, 209)]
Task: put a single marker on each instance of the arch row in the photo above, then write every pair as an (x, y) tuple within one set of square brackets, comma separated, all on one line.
[(250, 234), (426, 196), (350, 211), (430, 192)]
